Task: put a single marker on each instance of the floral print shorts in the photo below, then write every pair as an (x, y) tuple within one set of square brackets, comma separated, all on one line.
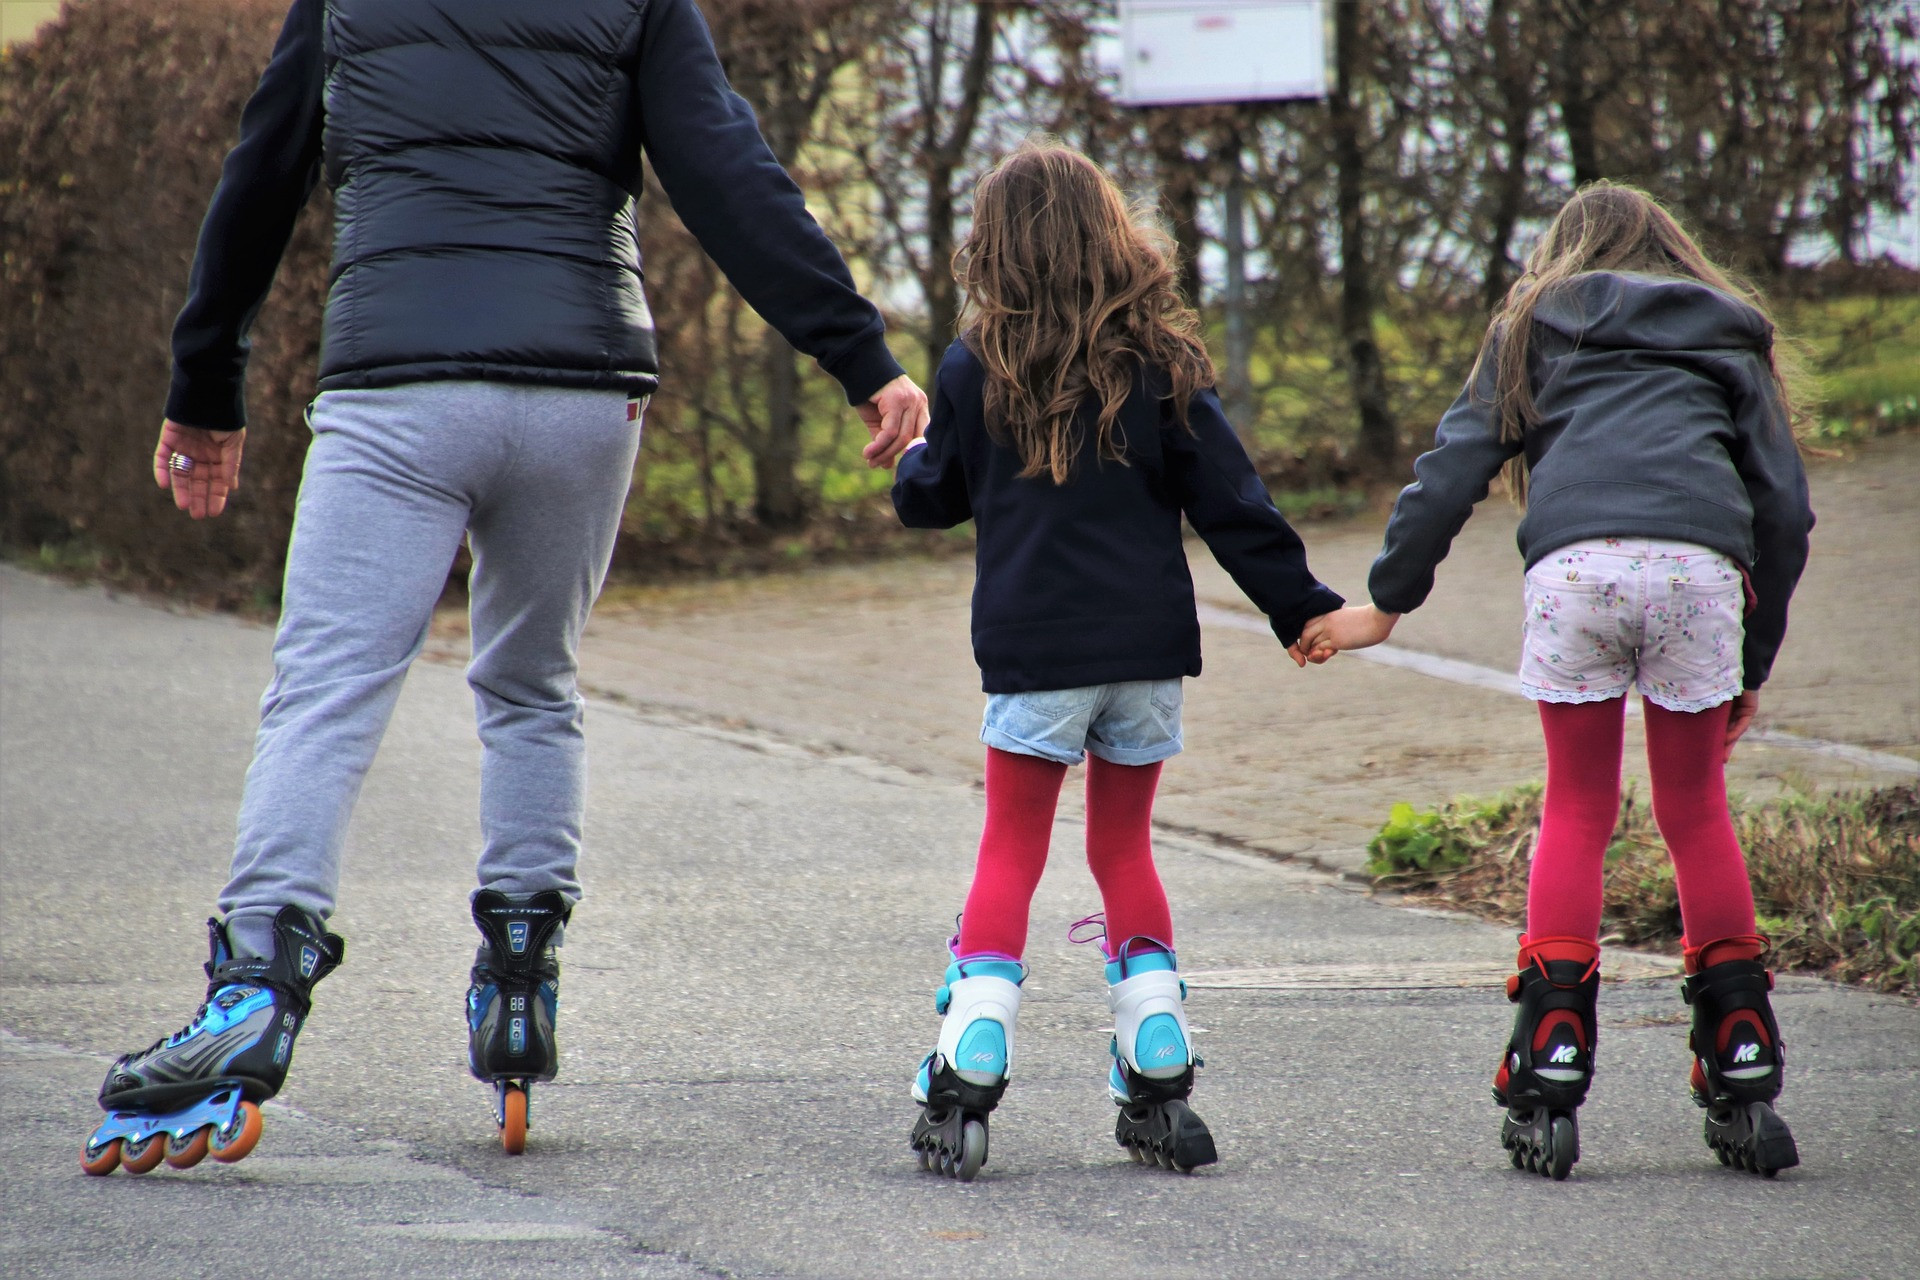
[(1608, 613)]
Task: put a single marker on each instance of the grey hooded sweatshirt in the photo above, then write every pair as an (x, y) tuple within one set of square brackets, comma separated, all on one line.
[(1658, 419)]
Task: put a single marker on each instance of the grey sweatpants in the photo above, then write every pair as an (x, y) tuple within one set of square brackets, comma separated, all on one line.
[(536, 478)]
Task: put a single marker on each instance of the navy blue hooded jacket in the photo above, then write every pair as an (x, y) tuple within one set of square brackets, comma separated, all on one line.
[(1658, 419), (485, 158), (1086, 582)]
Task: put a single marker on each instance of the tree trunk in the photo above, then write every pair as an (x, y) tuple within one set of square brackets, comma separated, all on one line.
[(1575, 47), (1513, 71), (1379, 437), (778, 503), (1180, 195), (943, 160)]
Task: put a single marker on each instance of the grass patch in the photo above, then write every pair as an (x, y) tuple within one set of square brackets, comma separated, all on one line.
[(1836, 878)]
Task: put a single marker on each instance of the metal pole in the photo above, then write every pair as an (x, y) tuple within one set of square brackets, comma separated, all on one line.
[(1237, 386)]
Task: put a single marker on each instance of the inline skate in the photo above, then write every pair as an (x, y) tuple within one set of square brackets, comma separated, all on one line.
[(197, 1092), (1738, 1059), (961, 1081), (1153, 1060), (1549, 1062), (513, 1000)]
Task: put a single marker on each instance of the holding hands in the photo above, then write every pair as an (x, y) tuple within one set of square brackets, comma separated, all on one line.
[(896, 417), (1357, 626)]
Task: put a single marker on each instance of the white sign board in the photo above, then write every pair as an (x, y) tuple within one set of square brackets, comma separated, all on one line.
[(1184, 51)]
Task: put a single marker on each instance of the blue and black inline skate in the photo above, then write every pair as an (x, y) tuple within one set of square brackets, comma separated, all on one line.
[(514, 1000), (961, 1081), (197, 1092), (1153, 1060)]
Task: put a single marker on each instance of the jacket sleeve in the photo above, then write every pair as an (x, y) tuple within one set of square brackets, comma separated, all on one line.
[(1449, 479), (744, 209), (930, 480), (1216, 486), (1768, 460), (265, 182)]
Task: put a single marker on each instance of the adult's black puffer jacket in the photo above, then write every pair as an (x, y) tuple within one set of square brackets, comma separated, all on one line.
[(485, 159)]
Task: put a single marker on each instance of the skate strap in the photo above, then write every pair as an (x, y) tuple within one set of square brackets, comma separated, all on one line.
[(1092, 929), (518, 931), (1560, 949), (1746, 946), (1727, 988)]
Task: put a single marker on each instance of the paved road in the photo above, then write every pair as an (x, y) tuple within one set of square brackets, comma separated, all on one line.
[(747, 990)]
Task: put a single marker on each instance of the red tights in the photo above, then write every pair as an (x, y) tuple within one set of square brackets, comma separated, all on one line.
[(1021, 794), (1686, 755)]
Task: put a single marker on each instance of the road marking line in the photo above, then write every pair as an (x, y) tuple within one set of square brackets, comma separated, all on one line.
[(1476, 676)]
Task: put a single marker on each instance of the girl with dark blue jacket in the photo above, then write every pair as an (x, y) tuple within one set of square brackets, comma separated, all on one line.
[(1629, 387), (1075, 424)]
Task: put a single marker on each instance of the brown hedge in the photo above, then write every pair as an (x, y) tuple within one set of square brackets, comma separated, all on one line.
[(113, 124)]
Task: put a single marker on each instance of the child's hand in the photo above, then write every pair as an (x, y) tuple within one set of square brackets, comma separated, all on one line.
[(1357, 626), (1302, 656)]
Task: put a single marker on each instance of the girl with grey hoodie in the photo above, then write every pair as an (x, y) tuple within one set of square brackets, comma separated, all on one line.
[(1629, 389)]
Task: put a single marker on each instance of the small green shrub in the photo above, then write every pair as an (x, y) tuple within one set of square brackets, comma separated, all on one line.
[(1836, 878)]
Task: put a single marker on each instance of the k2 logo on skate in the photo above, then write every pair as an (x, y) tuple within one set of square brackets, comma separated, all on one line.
[(1564, 1053), (1747, 1053), (309, 961), (517, 935)]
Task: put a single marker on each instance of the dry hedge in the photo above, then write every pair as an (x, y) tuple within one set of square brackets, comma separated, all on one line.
[(113, 124)]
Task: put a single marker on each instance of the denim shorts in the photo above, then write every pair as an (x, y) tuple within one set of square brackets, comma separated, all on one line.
[(1610, 613), (1134, 722)]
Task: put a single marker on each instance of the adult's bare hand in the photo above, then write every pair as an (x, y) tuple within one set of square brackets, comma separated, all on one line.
[(201, 490), (895, 418), (1746, 705)]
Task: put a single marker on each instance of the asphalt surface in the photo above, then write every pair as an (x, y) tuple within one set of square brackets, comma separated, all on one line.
[(747, 990)]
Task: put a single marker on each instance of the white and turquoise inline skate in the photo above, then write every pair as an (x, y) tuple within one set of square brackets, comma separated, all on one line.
[(513, 1002), (1153, 1059), (197, 1092), (960, 1082)]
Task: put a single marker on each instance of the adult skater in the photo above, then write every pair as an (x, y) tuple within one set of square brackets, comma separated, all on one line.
[(487, 356)]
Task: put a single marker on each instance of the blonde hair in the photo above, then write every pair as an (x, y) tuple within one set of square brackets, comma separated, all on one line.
[(1068, 293), (1606, 226)]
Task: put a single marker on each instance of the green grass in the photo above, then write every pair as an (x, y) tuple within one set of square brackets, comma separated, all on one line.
[(1836, 878)]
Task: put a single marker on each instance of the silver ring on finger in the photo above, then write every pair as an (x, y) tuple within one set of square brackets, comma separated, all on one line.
[(180, 464)]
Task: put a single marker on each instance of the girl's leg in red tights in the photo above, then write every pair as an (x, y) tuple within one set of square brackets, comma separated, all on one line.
[(1581, 806), (1120, 850), (1022, 792), (1686, 753)]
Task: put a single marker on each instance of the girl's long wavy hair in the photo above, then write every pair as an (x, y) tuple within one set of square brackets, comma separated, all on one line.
[(1606, 226), (1068, 294)]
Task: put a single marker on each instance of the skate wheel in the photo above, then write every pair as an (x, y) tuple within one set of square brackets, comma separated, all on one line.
[(236, 1142), (925, 1157), (1139, 1156), (513, 1125), (143, 1156), (190, 1152), (98, 1162), (973, 1150), (1565, 1140), (1518, 1157)]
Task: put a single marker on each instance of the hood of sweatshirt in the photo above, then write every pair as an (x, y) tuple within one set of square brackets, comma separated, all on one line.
[(1660, 313)]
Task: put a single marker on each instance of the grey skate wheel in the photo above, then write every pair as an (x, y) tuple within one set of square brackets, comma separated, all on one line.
[(973, 1150), (1566, 1149)]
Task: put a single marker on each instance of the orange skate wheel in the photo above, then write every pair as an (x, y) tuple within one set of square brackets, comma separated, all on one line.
[(188, 1153), (143, 1156), (100, 1161), (226, 1147), (513, 1130)]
